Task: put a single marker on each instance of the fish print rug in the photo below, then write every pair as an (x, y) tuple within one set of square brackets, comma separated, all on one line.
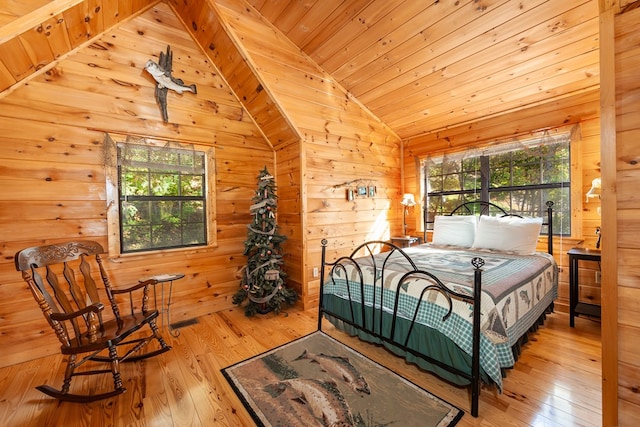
[(318, 381)]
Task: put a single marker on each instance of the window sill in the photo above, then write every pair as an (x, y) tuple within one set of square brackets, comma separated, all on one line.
[(136, 256)]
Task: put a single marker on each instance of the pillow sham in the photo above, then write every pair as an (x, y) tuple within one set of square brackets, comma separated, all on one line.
[(457, 230), (509, 234)]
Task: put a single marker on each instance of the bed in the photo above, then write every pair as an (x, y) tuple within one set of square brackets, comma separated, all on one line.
[(460, 306)]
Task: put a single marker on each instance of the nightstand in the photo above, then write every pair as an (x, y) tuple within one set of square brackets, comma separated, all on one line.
[(576, 307), (404, 241)]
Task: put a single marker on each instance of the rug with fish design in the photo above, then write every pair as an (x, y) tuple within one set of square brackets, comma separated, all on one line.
[(319, 381)]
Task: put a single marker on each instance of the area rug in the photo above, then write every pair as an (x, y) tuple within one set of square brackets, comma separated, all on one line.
[(318, 381)]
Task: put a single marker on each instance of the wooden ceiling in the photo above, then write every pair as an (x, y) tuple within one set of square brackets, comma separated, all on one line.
[(36, 33), (420, 66)]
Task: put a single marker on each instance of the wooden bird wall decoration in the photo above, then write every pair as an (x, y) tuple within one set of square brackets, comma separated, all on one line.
[(161, 72)]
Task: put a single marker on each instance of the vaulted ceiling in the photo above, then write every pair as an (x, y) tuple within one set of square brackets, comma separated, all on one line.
[(419, 66)]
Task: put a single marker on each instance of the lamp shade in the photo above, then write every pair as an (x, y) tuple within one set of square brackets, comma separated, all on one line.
[(408, 200)]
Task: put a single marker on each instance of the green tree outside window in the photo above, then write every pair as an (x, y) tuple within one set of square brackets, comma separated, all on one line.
[(162, 196), (519, 180)]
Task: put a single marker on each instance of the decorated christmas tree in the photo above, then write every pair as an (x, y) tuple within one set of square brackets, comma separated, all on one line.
[(263, 281)]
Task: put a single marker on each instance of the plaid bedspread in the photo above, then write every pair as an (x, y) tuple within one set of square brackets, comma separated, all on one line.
[(516, 290)]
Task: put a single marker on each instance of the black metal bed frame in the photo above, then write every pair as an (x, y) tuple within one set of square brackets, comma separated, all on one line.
[(372, 324)]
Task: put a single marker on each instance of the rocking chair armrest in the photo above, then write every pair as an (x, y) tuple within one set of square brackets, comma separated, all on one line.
[(95, 308), (138, 285)]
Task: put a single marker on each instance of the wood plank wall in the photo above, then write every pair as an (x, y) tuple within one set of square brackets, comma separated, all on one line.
[(581, 110), (625, 246), (231, 59), (340, 142), (52, 174)]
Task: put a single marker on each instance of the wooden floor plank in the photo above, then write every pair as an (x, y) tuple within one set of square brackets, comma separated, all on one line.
[(556, 381), (26, 377)]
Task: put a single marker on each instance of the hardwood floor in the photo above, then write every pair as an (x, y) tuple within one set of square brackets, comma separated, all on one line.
[(556, 382)]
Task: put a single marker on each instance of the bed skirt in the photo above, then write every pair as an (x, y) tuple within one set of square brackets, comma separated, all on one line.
[(424, 340)]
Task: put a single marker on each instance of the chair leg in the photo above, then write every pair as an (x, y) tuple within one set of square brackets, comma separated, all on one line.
[(115, 368), (68, 374), (156, 334)]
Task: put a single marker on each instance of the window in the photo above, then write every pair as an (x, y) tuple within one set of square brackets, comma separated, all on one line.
[(161, 193), (520, 178)]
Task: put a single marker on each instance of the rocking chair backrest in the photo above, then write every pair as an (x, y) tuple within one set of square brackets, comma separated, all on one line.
[(71, 260)]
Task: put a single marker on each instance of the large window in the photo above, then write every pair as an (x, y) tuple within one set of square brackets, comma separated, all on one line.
[(520, 178)]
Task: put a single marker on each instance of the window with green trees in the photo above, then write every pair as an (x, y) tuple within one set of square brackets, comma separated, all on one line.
[(520, 178), (162, 197)]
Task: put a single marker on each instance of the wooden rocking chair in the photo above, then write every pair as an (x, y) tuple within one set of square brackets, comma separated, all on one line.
[(78, 317)]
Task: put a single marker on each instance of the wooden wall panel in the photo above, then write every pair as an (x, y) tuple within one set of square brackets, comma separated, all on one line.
[(291, 198), (17, 60), (204, 22), (53, 168), (627, 246), (341, 143), (210, 28), (322, 136)]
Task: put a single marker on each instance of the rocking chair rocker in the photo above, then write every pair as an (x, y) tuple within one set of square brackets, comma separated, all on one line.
[(78, 317)]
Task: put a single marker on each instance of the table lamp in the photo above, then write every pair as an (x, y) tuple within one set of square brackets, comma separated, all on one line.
[(407, 201)]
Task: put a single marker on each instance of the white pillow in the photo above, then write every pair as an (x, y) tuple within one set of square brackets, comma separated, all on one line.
[(509, 233), (458, 230)]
